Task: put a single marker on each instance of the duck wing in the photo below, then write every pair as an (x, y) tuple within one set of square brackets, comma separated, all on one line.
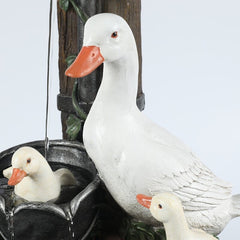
[(197, 187), (183, 173)]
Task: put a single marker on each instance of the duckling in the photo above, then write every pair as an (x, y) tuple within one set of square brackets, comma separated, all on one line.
[(33, 178), (167, 208)]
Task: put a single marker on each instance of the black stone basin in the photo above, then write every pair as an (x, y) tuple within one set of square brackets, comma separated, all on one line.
[(71, 217)]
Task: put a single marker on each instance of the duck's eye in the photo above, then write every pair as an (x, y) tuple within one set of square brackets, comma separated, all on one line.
[(28, 160), (114, 35), (160, 206)]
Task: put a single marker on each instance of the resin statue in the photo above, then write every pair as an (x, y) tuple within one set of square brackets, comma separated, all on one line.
[(132, 154), (33, 178), (167, 208)]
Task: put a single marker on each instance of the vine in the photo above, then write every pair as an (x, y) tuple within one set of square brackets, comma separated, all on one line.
[(64, 5), (74, 122)]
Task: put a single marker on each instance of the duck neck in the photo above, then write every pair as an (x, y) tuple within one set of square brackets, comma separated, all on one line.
[(120, 82), (177, 227)]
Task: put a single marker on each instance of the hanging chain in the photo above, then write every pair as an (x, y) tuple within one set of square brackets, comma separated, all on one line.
[(48, 78)]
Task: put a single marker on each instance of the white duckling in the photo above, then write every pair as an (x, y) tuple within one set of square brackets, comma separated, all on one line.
[(131, 153), (167, 208), (33, 178)]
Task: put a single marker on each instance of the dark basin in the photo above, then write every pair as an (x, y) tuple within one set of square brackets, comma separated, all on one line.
[(69, 218)]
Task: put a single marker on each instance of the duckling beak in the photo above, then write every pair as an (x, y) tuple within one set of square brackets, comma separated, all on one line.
[(17, 176), (86, 62), (144, 200)]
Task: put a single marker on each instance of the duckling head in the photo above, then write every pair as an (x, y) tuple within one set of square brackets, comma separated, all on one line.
[(26, 161), (163, 206)]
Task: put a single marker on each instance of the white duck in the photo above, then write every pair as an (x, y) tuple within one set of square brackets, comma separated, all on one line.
[(33, 178), (167, 208), (131, 153)]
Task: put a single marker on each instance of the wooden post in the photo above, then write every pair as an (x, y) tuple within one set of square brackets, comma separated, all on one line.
[(70, 29), (68, 43)]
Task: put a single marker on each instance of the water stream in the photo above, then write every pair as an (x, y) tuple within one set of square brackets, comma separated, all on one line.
[(70, 224), (10, 224)]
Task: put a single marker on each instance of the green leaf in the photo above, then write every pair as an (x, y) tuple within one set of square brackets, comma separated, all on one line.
[(74, 126), (64, 4), (70, 59), (161, 233), (141, 231), (146, 232), (141, 236), (83, 16)]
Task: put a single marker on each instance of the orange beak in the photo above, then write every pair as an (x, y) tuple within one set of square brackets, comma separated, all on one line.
[(144, 200), (86, 62), (17, 176)]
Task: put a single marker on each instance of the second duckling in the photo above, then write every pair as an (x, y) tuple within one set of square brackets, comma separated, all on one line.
[(34, 179), (167, 208)]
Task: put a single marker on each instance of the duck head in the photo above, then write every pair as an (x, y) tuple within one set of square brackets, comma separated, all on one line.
[(25, 162), (163, 206), (107, 38)]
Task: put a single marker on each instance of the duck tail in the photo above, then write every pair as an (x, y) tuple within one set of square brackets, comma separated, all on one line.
[(235, 206), (66, 177)]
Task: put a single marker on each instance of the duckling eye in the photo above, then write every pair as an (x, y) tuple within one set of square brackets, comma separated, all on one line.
[(114, 35), (28, 160), (160, 206)]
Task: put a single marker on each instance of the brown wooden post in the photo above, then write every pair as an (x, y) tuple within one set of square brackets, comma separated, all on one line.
[(68, 43), (70, 29)]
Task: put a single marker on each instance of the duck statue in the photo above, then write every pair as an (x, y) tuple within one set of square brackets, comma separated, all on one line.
[(34, 179), (132, 154), (167, 209)]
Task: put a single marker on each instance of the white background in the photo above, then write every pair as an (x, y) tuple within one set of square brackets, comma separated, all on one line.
[(191, 78)]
